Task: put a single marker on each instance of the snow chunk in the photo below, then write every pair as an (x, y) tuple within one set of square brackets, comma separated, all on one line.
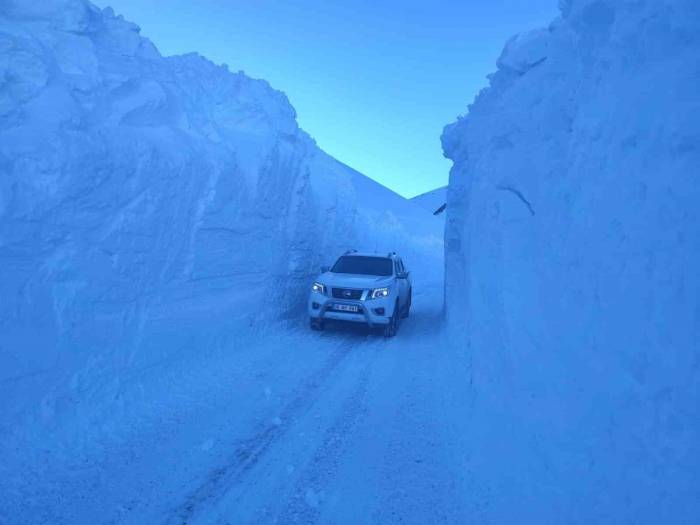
[(524, 51), (207, 445), (312, 498)]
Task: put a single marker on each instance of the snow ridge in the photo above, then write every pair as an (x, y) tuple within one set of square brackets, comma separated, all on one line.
[(432, 201)]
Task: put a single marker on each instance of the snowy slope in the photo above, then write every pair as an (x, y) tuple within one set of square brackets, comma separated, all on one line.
[(573, 248), (432, 201), (150, 205)]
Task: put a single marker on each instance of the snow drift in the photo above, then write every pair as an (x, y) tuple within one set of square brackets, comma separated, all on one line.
[(573, 248), (148, 201)]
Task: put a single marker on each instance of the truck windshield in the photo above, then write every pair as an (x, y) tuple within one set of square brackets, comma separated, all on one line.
[(361, 265)]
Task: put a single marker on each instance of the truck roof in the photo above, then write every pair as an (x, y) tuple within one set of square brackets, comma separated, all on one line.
[(354, 253)]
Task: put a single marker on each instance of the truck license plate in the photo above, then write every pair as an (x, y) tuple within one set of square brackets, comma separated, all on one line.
[(347, 308)]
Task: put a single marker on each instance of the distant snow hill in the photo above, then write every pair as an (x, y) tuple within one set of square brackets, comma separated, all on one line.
[(141, 193), (434, 201)]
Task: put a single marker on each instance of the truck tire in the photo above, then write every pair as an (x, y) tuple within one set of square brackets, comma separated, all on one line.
[(407, 310), (392, 326)]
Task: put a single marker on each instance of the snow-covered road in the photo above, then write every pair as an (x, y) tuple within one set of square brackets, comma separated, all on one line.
[(285, 426), (361, 439)]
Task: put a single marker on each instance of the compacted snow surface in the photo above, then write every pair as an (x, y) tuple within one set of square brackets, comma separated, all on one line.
[(162, 218), (281, 427)]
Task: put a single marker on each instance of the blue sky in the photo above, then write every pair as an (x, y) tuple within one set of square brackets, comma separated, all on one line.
[(373, 82)]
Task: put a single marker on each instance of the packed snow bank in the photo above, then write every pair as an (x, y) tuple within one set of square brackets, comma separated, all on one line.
[(149, 203), (433, 201), (573, 248)]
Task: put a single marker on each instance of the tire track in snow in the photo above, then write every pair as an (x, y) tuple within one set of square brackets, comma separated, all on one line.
[(420, 480), (311, 499), (304, 504), (249, 451)]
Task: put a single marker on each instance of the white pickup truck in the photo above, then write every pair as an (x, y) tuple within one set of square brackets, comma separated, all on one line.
[(362, 288)]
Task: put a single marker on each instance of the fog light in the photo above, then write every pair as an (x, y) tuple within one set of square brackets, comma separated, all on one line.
[(315, 306), (379, 311)]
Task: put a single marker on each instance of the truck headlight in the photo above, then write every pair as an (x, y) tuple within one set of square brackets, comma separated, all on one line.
[(318, 288), (379, 293)]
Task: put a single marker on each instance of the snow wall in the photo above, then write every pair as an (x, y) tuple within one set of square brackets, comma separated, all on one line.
[(148, 204), (573, 268)]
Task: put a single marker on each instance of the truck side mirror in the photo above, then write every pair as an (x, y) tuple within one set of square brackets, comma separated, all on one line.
[(324, 269)]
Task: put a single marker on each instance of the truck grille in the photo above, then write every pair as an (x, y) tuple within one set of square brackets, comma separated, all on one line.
[(346, 293)]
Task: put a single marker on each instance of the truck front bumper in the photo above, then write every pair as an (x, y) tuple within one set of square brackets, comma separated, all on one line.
[(372, 312)]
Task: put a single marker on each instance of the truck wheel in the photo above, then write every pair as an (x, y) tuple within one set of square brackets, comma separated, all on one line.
[(316, 324), (407, 311), (393, 326)]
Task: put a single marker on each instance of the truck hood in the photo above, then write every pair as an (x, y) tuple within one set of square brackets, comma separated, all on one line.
[(348, 280)]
